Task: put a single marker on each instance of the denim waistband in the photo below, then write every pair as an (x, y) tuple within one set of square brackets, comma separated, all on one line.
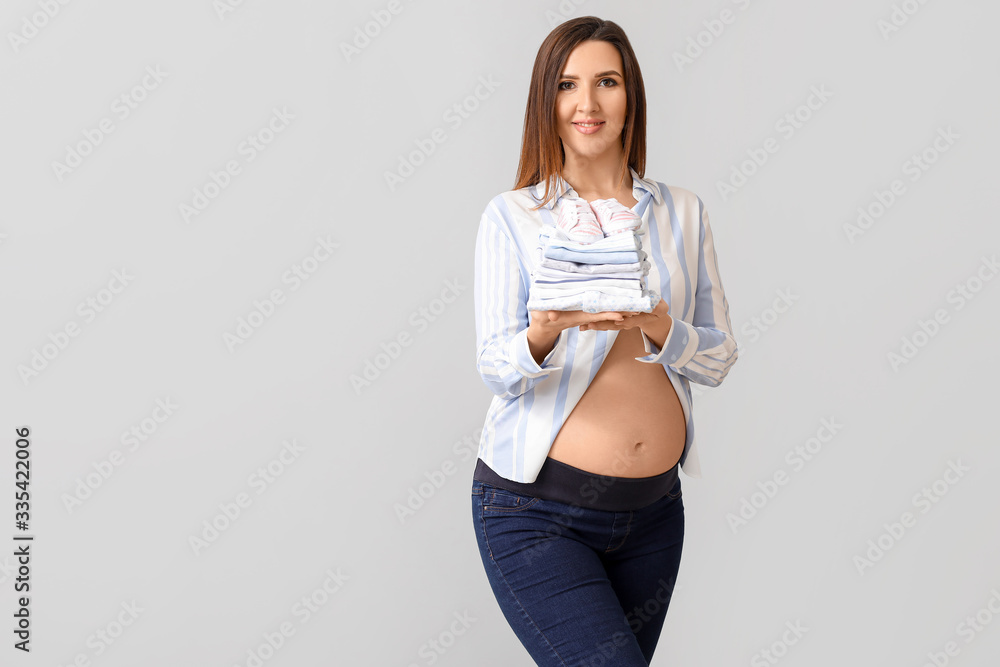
[(567, 484)]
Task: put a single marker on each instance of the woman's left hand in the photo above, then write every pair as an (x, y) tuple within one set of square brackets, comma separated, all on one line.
[(653, 321)]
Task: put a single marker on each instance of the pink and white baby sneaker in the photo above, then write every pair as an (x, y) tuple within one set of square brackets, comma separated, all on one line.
[(614, 218), (577, 219)]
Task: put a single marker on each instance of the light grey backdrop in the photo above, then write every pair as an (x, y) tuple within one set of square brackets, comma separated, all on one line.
[(168, 167)]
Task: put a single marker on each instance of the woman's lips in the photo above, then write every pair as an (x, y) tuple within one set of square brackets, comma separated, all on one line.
[(583, 129)]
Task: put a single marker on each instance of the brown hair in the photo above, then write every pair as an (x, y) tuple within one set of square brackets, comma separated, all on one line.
[(542, 152)]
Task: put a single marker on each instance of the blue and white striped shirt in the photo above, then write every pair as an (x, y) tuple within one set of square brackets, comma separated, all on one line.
[(532, 401)]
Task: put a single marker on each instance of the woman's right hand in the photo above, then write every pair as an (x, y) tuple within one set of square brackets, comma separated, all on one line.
[(548, 323), (545, 326)]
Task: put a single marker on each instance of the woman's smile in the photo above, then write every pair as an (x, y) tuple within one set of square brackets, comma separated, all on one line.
[(589, 128)]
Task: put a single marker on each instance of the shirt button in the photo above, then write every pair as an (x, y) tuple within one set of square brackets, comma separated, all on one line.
[(673, 357)]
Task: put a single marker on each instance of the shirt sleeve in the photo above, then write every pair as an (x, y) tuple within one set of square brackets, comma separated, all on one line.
[(703, 350), (500, 293)]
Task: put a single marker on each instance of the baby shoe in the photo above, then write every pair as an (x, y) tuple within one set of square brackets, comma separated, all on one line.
[(614, 218), (577, 219)]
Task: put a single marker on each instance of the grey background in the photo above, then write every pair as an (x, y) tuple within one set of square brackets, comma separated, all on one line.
[(335, 506)]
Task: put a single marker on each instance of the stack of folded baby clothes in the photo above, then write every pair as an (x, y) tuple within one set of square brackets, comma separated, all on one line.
[(592, 260)]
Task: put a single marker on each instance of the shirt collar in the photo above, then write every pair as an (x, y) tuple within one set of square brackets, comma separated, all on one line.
[(561, 187)]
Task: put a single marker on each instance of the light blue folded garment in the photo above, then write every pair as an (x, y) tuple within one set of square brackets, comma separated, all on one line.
[(592, 269), (618, 257), (615, 242), (590, 283)]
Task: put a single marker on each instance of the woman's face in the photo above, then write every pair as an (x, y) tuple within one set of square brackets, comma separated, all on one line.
[(592, 87)]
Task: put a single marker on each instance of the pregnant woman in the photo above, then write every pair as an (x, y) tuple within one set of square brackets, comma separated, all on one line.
[(576, 497)]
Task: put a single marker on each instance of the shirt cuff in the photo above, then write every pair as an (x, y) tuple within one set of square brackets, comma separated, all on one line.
[(679, 348), (525, 363)]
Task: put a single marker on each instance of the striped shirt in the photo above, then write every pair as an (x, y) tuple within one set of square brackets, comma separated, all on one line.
[(532, 401)]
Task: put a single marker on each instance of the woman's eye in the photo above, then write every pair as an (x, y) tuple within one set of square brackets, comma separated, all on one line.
[(611, 81)]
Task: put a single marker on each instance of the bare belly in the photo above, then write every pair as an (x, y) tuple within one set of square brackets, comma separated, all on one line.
[(629, 422)]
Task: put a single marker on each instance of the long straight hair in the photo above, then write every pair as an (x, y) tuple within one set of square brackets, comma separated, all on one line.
[(542, 153)]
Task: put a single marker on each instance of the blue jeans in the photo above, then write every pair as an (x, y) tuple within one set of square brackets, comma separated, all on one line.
[(579, 586)]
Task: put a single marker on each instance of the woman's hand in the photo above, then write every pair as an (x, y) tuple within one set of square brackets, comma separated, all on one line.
[(656, 321), (551, 322), (546, 325)]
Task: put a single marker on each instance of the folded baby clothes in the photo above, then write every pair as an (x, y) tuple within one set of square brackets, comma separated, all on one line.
[(594, 283), (591, 279), (570, 267), (590, 301), (611, 257), (617, 242), (543, 292), (545, 273)]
